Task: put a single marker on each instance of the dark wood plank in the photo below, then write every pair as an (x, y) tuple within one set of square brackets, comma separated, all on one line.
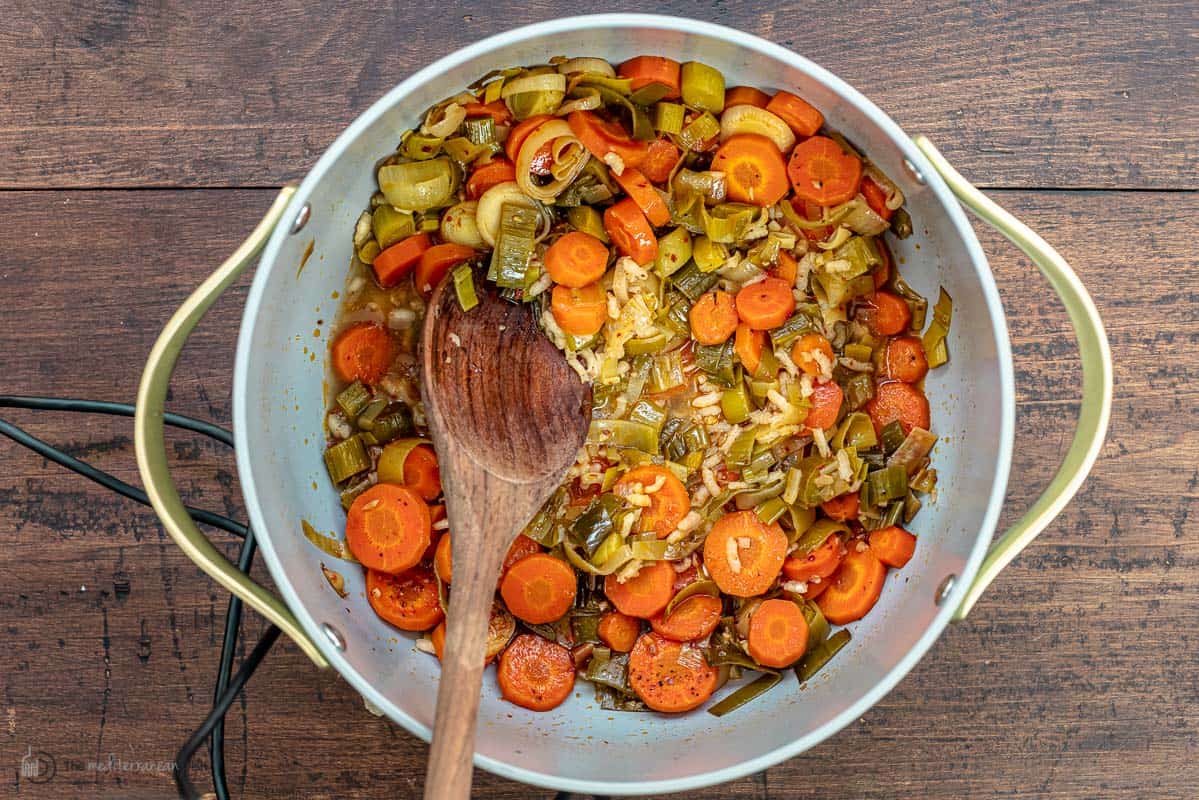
[(1073, 678), (127, 93)]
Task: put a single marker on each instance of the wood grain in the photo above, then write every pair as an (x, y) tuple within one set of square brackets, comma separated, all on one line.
[(1073, 677), (1096, 94)]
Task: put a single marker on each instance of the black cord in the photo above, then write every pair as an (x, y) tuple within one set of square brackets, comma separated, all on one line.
[(187, 789), (216, 744), (114, 409), (109, 481)]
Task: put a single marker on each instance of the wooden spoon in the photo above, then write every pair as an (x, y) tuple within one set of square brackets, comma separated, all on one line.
[(507, 416)]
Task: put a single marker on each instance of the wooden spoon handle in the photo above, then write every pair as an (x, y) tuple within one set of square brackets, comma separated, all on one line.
[(448, 775)]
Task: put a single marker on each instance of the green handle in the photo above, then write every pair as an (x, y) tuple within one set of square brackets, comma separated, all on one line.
[(1096, 360), (151, 447)]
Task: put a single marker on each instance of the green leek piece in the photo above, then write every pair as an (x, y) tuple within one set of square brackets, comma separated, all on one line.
[(742, 448), (368, 252), (420, 185), (768, 364), (648, 413), (858, 390), (597, 522), (735, 404), (818, 532), (861, 254), (892, 437), (804, 320), (703, 87), (464, 286), (390, 468), (649, 344), (637, 377), (674, 251), (668, 117), (624, 434), (674, 315), (711, 186), (743, 694), (634, 117), (923, 481), (911, 507), (326, 543), (856, 431), (609, 669), (368, 415), (818, 627), (709, 255), (912, 452), (649, 94), (680, 438), (704, 587), (543, 526), (718, 361), (802, 520), (700, 132), (346, 459), (390, 225), (821, 654), (396, 422), (727, 223), (464, 151), (531, 95), (859, 352), (588, 220), (480, 130), (901, 224), (693, 283), (584, 626), (349, 494), (514, 247), (916, 302), (771, 510), (666, 371), (420, 147), (887, 484), (353, 399), (934, 339)]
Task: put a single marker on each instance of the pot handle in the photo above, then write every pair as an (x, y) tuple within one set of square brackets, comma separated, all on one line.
[(1096, 360), (151, 448)]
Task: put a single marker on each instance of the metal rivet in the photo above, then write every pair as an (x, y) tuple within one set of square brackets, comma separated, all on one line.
[(332, 633), (945, 588), (916, 174), (301, 218)]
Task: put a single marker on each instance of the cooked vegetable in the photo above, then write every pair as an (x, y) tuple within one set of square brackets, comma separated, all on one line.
[(891, 314), (363, 352), (607, 141), (753, 167), (818, 563), (661, 156), (408, 601), (821, 654), (752, 119), (535, 674), (797, 113), (898, 402), (778, 633), (691, 620), (436, 262), (576, 259), (670, 676), (533, 95), (388, 528), (743, 554), (904, 359), (892, 545), (419, 185), (713, 318), (820, 171), (491, 208), (645, 594), (766, 304), (619, 631), (639, 190), (581, 311), (630, 232), (539, 588), (674, 251), (668, 499), (549, 160), (393, 264), (911, 454), (813, 354), (938, 330), (854, 588), (841, 508), (826, 403), (647, 70), (515, 242)]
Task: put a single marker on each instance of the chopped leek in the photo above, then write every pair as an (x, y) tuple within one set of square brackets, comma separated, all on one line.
[(887, 484), (709, 255), (419, 185), (597, 522), (514, 247), (916, 302), (349, 494), (390, 225), (705, 587), (420, 147), (735, 404), (674, 251), (391, 461), (771, 510), (892, 437), (588, 220), (668, 118), (901, 223), (353, 399), (396, 422), (806, 319), (718, 361), (742, 449), (856, 431), (532, 95), (464, 286), (760, 685), (821, 654), (346, 459), (911, 454), (480, 130), (692, 282), (700, 132), (624, 434), (648, 413), (703, 87), (666, 371), (327, 544), (935, 337)]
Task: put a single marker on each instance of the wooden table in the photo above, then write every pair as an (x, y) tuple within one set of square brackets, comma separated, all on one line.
[(140, 141)]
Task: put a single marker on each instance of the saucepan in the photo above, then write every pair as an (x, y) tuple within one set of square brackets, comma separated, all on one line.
[(306, 241)]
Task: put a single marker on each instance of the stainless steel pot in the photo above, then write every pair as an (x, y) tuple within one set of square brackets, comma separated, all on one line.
[(279, 402)]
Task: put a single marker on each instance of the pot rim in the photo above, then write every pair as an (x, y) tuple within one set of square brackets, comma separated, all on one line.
[(954, 215)]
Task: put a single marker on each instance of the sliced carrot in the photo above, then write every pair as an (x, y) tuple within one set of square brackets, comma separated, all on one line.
[(363, 352), (670, 676), (787, 268), (801, 116), (638, 188), (535, 673), (745, 96), (895, 401), (888, 314), (630, 231), (436, 262), (539, 588), (713, 317), (494, 172), (876, 198), (443, 560), (753, 168), (619, 631), (667, 505), (660, 157), (388, 528), (892, 545), (854, 588), (778, 633), (520, 132), (421, 472), (646, 593), (765, 304), (691, 620), (748, 346), (602, 138), (576, 259), (841, 508), (743, 554), (579, 312), (645, 70), (882, 272), (394, 263), (820, 563), (822, 172), (826, 402), (804, 353), (497, 110), (521, 548), (905, 360), (408, 601)]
